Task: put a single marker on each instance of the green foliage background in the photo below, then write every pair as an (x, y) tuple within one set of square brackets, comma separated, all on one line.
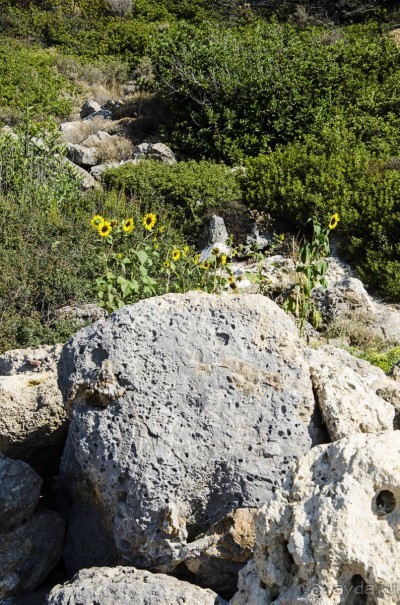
[(305, 101)]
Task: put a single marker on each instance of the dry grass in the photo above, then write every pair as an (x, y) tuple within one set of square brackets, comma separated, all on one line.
[(356, 327), (115, 150)]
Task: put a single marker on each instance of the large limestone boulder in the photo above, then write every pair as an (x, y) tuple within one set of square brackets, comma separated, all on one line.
[(183, 409), (33, 419), (353, 395), (31, 538), (128, 586), (332, 536)]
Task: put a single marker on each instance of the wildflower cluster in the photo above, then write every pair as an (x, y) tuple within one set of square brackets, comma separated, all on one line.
[(141, 258), (311, 271)]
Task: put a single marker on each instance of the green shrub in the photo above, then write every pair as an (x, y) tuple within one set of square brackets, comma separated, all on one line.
[(46, 254), (383, 359), (328, 173), (83, 31), (29, 80), (191, 191), (243, 90)]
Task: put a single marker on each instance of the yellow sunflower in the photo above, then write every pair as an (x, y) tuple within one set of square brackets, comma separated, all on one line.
[(149, 220), (185, 250), (161, 229), (223, 259), (205, 266), (216, 252), (167, 264), (334, 221), (230, 279), (175, 254), (128, 225), (105, 229), (97, 221), (196, 259)]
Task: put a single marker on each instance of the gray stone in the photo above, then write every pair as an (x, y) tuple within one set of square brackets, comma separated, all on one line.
[(183, 409), (155, 151), (33, 419), (333, 529), (28, 552), (214, 233), (129, 586), (19, 361), (88, 108), (82, 156), (81, 314), (98, 171), (257, 240), (103, 114), (140, 151), (346, 389), (19, 492), (162, 153)]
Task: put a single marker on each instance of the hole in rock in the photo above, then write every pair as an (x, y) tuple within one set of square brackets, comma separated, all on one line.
[(385, 502), (359, 592)]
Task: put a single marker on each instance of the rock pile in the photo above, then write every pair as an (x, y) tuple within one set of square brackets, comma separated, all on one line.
[(206, 442)]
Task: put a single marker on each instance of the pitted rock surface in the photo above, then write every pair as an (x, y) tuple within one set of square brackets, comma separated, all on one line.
[(183, 408), (332, 536), (129, 586)]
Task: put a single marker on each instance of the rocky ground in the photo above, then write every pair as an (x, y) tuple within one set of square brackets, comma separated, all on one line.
[(209, 455)]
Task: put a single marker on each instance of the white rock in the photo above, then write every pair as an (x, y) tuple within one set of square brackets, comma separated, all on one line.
[(129, 586), (333, 532), (346, 389), (32, 415)]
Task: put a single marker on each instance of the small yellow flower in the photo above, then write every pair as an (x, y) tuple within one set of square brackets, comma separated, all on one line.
[(97, 221), (175, 254), (149, 220), (216, 251), (334, 221), (120, 256), (223, 259), (205, 266), (185, 251), (128, 225), (282, 237), (105, 229), (196, 259), (167, 264), (230, 279), (161, 229)]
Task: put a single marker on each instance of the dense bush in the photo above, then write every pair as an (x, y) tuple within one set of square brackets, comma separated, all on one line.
[(89, 31), (333, 172), (46, 254), (30, 81), (190, 190), (241, 91)]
